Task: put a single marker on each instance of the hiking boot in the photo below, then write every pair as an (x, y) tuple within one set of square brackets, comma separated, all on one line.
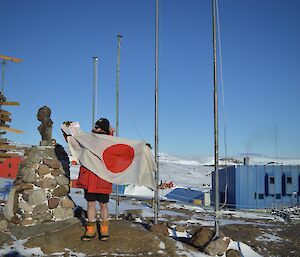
[(90, 231), (104, 227)]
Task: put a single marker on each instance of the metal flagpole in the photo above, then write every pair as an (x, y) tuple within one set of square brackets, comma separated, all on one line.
[(216, 141), (94, 112), (117, 114), (156, 200)]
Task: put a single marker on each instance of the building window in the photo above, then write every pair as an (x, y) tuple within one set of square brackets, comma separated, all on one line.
[(278, 196), (272, 180), (289, 180), (9, 165), (255, 195), (260, 196)]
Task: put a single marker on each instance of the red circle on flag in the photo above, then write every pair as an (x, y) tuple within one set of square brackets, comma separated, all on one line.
[(118, 158)]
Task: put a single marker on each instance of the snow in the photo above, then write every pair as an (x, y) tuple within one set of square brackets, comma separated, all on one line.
[(243, 248), (18, 247), (269, 238)]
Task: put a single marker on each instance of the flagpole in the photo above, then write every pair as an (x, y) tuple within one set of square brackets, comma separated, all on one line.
[(216, 141), (119, 37), (156, 200), (95, 81)]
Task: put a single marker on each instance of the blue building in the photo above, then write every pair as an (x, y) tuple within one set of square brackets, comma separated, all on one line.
[(259, 186)]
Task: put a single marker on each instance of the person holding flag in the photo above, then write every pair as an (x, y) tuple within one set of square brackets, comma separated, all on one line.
[(95, 188), (105, 160)]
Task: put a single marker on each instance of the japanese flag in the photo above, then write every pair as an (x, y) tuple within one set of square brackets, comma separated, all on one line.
[(116, 160)]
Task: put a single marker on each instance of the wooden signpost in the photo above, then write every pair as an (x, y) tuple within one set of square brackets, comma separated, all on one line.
[(4, 127), (5, 115)]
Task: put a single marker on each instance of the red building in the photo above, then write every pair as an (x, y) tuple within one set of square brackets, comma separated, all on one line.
[(9, 168)]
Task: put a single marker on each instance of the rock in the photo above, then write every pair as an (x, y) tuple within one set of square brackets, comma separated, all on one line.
[(49, 183), (160, 229), (180, 228), (31, 165), (60, 191), (133, 214), (23, 186), (40, 208), (233, 253), (36, 159), (27, 222), (56, 172), (18, 180), (8, 210), (29, 175), (62, 213), (217, 246), (62, 180), (43, 170), (43, 217), (15, 220), (201, 237), (67, 203), (26, 194), (25, 206), (53, 203), (52, 163), (3, 225), (37, 197)]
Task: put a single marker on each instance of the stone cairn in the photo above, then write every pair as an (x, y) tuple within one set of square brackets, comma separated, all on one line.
[(40, 191)]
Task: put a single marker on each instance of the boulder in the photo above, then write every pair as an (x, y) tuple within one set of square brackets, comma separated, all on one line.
[(3, 225), (43, 217), (62, 180), (160, 229), (60, 191), (233, 253), (23, 186), (56, 172), (27, 222), (25, 206), (53, 203), (65, 202), (37, 197), (62, 213), (217, 246), (43, 170), (49, 183), (201, 237), (52, 163), (29, 175), (40, 208)]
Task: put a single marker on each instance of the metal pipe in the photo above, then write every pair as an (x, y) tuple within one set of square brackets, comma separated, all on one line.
[(95, 82), (117, 114), (216, 139), (156, 200)]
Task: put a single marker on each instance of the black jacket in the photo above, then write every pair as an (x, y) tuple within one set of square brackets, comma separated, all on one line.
[(63, 157)]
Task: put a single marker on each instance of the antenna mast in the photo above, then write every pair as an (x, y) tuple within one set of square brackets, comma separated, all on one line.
[(117, 115), (156, 201), (95, 82), (216, 140)]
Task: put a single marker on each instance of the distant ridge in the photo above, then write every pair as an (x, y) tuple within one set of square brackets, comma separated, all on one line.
[(251, 155)]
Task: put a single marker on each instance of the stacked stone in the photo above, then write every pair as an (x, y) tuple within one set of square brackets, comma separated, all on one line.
[(41, 189)]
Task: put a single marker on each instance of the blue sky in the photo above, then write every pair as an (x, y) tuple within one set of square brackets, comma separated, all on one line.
[(259, 39)]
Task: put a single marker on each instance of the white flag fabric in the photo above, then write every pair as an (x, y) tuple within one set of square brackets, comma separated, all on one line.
[(114, 159)]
